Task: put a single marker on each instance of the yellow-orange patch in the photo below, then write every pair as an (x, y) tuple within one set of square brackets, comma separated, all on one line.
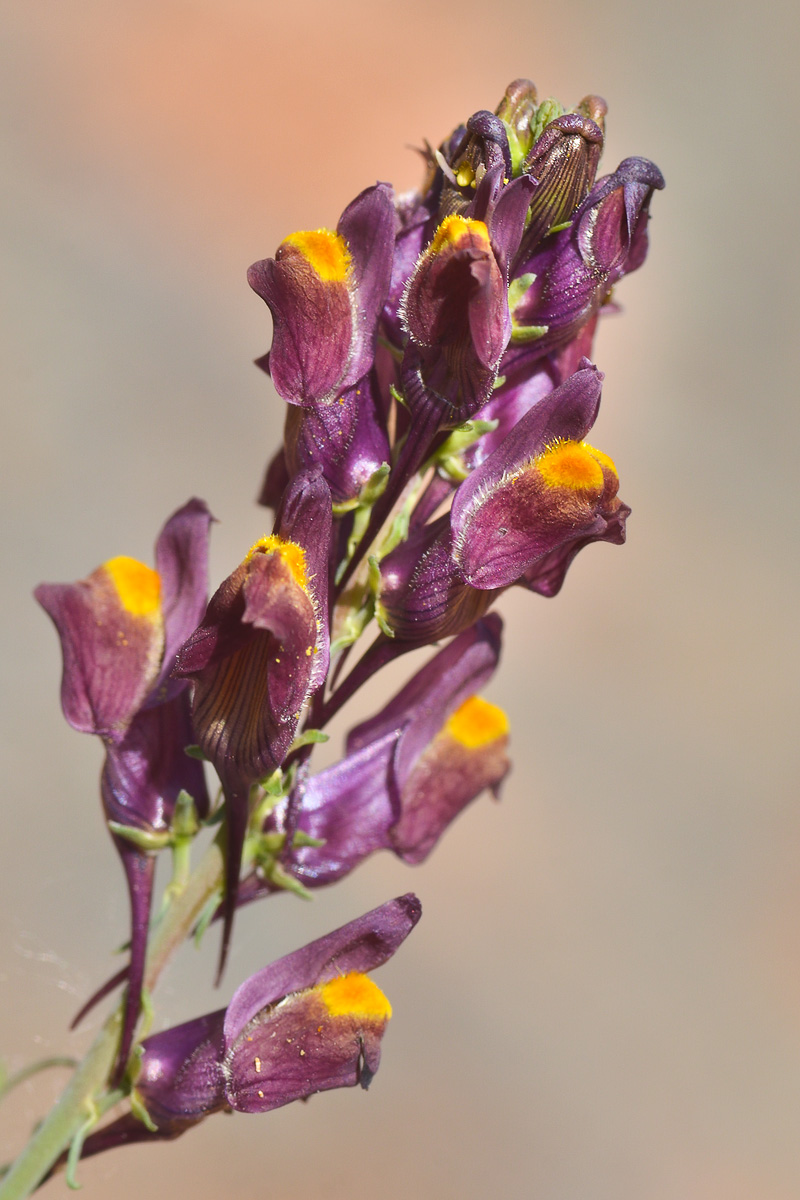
[(476, 723), (293, 555), (138, 586), (355, 995), (325, 250), (454, 228), (571, 465)]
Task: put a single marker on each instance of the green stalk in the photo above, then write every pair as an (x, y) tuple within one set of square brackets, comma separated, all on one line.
[(64, 1121)]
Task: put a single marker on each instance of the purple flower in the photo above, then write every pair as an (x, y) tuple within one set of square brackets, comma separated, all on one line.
[(325, 291), (307, 1023), (541, 495), (259, 652), (455, 311), (120, 629), (408, 771)]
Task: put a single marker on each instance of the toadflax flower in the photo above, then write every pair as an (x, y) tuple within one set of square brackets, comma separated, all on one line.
[(408, 771), (257, 655), (307, 1023), (542, 493), (120, 630)]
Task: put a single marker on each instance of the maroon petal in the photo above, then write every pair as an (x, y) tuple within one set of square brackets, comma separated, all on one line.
[(307, 287), (361, 945), (180, 1078), (182, 564), (368, 226), (466, 756), (306, 1045), (346, 439)]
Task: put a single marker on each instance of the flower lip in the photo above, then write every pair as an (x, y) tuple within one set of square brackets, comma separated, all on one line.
[(326, 251)]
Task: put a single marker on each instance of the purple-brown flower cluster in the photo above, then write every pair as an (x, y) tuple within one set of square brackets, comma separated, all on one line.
[(434, 353)]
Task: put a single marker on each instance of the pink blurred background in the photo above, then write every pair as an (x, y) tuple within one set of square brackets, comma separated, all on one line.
[(603, 997)]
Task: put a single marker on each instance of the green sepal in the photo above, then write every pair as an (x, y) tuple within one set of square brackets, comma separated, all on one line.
[(355, 623), (139, 1110), (517, 148), (310, 737), (517, 289), (273, 784), (280, 877), (195, 752), (453, 469), (375, 584), (372, 489), (375, 485), (185, 823), (397, 396), (463, 437), (341, 507), (152, 842), (360, 523), (305, 839), (528, 333)]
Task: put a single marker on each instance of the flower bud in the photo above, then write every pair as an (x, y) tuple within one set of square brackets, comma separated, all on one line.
[(564, 163), (517, 111)]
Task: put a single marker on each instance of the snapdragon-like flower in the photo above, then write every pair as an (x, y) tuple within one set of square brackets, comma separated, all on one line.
[(307, 1023), (259, 652), (408, 771), (537, 498), (455, 311), (120, 630)]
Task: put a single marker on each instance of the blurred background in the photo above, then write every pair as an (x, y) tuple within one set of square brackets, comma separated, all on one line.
[(603, 997)]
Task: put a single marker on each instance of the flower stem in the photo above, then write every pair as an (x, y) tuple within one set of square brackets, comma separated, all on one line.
[(65, 1120)]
